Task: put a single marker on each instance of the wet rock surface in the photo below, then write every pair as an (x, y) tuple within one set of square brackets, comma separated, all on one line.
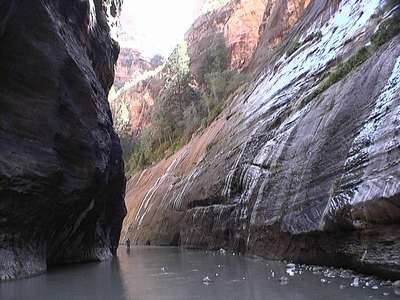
[(285, 175), (61, 172)]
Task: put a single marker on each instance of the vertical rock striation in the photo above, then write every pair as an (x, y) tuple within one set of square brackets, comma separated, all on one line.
[(299, 166), (61, 172)]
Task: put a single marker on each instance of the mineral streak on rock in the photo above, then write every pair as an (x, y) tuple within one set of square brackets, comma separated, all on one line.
[(61, 172), (282, 173)]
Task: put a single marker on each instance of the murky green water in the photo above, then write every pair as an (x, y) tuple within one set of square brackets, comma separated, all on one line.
[(173, 273)]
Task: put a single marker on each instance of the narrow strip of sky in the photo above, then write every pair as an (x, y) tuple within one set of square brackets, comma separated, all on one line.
[(156, 26)]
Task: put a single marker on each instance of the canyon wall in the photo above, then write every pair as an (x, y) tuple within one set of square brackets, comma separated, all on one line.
[(136, 86), (132, 105), (238, 24), (131, 64), (304, 162), (61, 170)]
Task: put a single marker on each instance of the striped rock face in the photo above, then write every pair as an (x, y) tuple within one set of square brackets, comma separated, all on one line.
[(290, 169)]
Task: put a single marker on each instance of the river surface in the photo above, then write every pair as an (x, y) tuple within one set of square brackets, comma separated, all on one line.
[(174, 273)]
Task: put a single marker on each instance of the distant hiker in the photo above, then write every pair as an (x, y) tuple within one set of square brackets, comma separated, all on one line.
[(128, 244)]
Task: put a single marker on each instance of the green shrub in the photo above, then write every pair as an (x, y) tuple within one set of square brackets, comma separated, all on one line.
[(220, 85), (293, 47), (181, 109), (346, 67), (387, 30), (216, 58)]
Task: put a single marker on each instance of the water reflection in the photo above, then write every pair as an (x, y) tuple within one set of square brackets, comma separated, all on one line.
[(88, 281), (173, 273)]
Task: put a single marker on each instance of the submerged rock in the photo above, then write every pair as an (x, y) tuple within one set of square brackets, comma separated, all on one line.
[(283, 280), (291, 269), (207, 280), (356, 282), (222, 251), (61, 170), (396, 286)]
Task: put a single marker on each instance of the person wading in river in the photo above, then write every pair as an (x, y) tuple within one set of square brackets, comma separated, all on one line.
[(128, 244)]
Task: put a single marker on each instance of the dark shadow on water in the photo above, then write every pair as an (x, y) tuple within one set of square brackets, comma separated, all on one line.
[(78, 281)]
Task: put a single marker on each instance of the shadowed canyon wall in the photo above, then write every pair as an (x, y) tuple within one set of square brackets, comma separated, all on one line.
[(61, 170), (304, 162)]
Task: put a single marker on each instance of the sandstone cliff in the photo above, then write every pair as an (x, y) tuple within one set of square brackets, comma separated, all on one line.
[(131, 65), (61, 172), (238, 23), (134, 91), (304, 163), (131, 106)]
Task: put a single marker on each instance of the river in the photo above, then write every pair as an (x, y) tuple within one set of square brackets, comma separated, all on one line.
[(174, 273)]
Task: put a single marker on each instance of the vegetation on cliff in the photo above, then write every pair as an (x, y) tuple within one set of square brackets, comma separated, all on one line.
[(386, 31), (189, 102), (185, 104)]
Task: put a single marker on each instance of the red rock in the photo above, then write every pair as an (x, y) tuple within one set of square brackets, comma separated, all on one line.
[(131, 64)]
